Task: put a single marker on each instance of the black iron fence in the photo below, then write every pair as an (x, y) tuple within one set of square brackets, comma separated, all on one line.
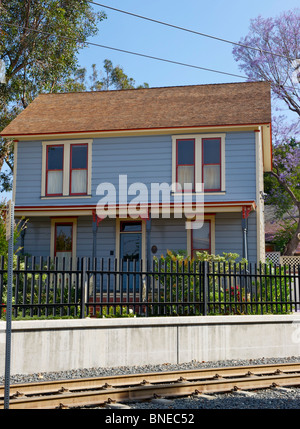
[(109, 288)]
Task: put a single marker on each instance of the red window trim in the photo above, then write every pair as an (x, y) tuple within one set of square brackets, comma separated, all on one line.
[(71, 169), (220, 163), (201, 250), (55, 233), (185, 165), (49, 146)]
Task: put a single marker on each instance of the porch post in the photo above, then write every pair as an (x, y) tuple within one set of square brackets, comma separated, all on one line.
[(245, 213), (148, 241), (95, 224), (23, 232)]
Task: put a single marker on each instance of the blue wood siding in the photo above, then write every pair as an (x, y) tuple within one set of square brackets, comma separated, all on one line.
[(168, 235), (29, 172), (37, 237), (229, 236), (144, 159)]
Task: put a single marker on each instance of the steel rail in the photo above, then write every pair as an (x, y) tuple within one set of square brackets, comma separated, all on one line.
[(53, 386), (101, 390)]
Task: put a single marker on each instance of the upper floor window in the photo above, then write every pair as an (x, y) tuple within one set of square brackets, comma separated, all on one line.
[(185, 168), (211, 164), (54, 171), (199, 159), (66, 169), (78, 169)]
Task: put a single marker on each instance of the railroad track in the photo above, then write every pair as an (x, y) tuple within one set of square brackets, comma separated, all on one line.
[(100, 391)]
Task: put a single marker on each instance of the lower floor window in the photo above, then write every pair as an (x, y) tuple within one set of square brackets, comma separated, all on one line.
[(63, 239), (201, 238)]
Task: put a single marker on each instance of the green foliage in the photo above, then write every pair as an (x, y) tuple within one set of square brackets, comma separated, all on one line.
[(46, 294), (228, 291), (17, 230), (110, 78), (108, 311), (282, 237), (282, 186)]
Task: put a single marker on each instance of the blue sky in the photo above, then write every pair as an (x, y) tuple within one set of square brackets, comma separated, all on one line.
[(228, 19)]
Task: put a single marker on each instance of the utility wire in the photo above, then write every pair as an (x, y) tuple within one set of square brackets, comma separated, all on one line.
[(189, 30), (130, 52), (136, 53)]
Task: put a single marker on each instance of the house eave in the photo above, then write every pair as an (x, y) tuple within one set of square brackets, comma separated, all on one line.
[(90, 210), (126, 132)]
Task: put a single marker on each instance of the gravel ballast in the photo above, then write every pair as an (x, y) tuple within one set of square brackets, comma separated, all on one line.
[(262, 399)]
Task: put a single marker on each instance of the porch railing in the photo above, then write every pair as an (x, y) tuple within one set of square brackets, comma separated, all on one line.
[(110, 288)]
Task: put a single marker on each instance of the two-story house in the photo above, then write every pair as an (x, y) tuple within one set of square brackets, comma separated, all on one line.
[(76, 151)]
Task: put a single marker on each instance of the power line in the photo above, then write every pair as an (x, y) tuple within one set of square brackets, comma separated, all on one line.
[(136, 53), (189, 30), (130, 52)]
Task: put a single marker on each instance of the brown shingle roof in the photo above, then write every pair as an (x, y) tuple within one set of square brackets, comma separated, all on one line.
[(168, 107)]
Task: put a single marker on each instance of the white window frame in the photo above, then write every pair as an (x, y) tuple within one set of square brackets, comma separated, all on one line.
[(66, 167), (198, 158)]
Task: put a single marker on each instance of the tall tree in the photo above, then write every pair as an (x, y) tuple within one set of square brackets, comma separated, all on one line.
[(282, 184), (39, 43), (111, 77), (271, 52)]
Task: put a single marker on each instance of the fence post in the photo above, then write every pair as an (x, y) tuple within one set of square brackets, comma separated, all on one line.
[(205, 286), (83, 283), (297, 289)]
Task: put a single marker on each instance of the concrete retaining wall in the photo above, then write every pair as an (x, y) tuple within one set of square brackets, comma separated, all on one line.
[(55, 345)]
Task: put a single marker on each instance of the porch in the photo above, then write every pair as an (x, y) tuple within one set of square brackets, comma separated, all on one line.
[(81, 235)]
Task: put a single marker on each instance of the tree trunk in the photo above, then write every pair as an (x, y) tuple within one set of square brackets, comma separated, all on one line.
[(292, 245)]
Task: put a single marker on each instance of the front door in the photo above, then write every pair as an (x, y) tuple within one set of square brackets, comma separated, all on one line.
[(130, 252)]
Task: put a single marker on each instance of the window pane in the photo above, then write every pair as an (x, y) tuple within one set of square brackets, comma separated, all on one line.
[(130, 246), (185, 152), (55, 157), (211, 176), (131, 226), (63, 238), (186, 176), (201, 237), (79, 156), (55, 182), (78, 185), (211, 151)]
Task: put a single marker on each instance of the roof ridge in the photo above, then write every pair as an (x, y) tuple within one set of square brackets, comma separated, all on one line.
[(156, 87)]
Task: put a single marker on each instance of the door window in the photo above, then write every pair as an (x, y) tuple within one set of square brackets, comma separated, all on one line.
[(130, 240), (63, 239)]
